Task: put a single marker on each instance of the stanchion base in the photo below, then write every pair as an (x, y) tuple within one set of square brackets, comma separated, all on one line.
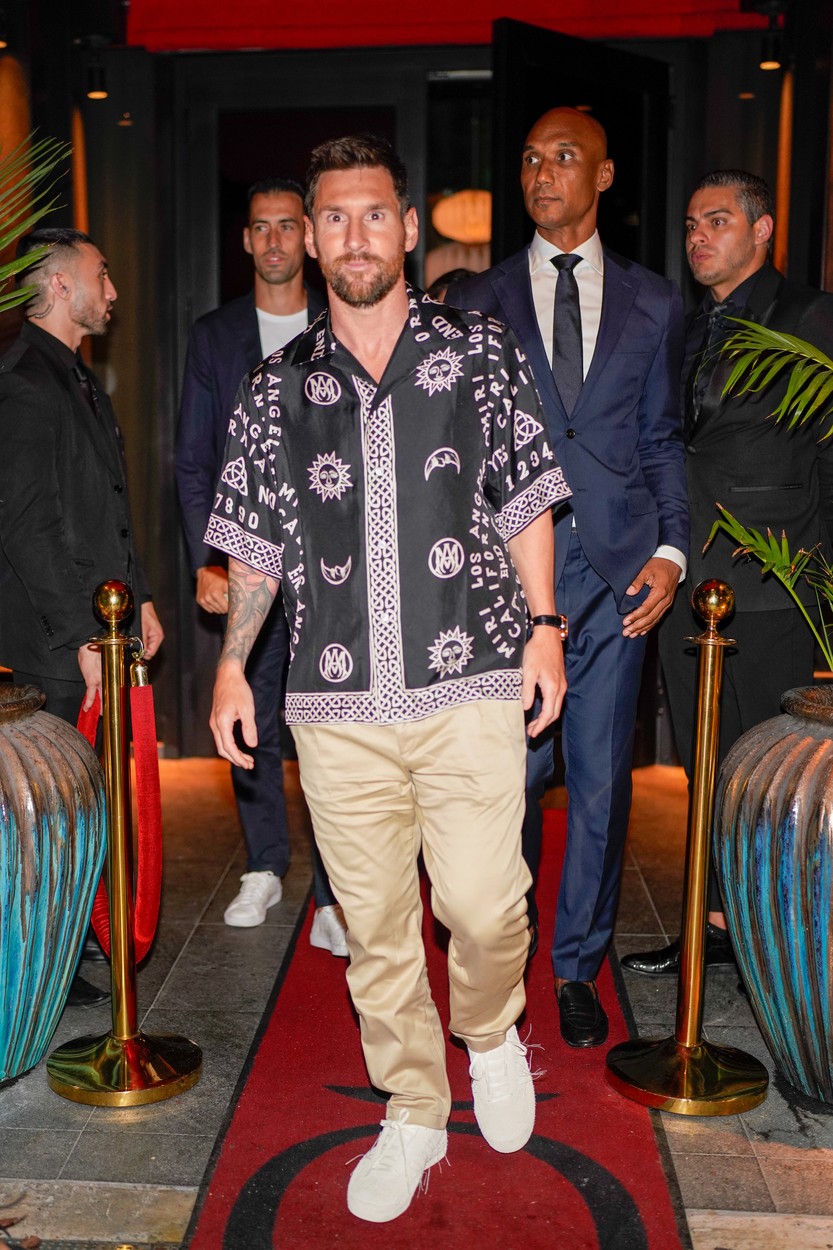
[(689, 1080), (108, 1071)]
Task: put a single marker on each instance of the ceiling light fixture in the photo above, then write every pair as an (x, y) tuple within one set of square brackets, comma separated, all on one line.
[(96, 81)]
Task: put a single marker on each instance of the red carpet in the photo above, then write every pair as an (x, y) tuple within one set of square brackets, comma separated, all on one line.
[(589, 1179)]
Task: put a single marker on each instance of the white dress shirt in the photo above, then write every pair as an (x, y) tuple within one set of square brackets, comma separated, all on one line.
[(589, 275)]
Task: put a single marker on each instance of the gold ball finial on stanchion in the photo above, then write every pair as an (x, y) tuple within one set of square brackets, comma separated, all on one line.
[(113, 602), (713, 601)]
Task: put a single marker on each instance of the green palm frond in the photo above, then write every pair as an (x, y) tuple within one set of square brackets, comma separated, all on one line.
[(775, 558), (28, 176), (760, 355)]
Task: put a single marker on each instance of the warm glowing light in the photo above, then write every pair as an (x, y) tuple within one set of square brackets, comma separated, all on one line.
[(465, 216)]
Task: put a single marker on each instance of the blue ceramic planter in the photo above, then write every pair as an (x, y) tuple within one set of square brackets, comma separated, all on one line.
[(52, 845), (774, 850)]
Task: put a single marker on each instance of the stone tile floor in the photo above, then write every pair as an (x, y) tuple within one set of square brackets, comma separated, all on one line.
[(102, 1179)]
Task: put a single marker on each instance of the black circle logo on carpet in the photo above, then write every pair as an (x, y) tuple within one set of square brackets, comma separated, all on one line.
[(614, 1213)]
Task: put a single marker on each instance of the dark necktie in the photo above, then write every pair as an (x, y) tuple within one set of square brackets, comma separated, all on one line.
[(86, 385), (707, 357), (567, 365)]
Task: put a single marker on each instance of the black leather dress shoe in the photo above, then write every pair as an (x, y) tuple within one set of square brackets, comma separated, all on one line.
[(82, 994), (665, 962), (583, 1021)]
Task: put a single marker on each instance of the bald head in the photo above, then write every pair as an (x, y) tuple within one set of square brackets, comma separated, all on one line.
[(564, 169), (583, 128)]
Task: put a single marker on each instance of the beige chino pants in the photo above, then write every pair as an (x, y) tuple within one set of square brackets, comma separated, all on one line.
[(453, 785)]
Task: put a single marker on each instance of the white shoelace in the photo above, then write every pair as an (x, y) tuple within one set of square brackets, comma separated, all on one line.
[(497, 1067), (390, 1140)]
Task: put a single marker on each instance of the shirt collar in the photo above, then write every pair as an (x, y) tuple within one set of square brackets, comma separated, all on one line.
[(318, 342), (737, 299), (541, 252), (51, 343)]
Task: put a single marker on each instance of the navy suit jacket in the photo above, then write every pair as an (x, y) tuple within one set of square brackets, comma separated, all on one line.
[(223, 347), (621, 449)]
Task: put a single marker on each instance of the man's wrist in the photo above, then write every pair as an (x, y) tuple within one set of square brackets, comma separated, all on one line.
[(552, 621)]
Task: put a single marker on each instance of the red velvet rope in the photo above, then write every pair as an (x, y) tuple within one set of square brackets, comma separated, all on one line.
[(149, 833)]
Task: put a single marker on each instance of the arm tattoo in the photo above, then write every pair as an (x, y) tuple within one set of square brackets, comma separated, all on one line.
[(251, 595)]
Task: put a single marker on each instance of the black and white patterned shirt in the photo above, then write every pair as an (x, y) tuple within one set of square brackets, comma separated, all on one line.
[(385, 510)]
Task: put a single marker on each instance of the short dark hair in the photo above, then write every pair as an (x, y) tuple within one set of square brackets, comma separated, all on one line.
[(754, 195), (51, 236), (363, 151), (60, 241), (274, 186)]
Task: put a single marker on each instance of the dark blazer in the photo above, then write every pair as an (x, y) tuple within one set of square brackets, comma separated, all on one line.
[(65, 522), (223, 346), (765, 474), (621, 449)]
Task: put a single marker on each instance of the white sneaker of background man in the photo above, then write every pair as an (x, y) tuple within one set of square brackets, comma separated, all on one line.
[(329, 932), (258, 892)]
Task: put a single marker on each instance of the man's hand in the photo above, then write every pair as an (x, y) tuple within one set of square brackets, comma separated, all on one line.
[(212, 588), (663, 577), (233, 702), (543, 667), (89, 661), (152, 631)]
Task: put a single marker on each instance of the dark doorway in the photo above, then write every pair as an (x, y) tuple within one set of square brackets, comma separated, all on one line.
[(536, 70)]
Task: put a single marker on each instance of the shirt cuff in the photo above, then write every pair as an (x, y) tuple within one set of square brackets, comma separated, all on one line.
[(673, 553)]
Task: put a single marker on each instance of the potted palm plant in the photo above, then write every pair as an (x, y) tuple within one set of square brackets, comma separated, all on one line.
[(27, 184), (774, 800)]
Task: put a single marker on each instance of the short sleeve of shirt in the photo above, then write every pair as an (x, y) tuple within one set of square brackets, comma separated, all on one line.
[(523, 478), (250, 504)]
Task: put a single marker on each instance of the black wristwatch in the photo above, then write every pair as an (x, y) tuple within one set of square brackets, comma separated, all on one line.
[(558, 621)]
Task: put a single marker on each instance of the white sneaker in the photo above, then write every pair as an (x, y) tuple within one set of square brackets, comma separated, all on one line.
[(504, 1099), (385, 1180), (259, 892), (329, 932)]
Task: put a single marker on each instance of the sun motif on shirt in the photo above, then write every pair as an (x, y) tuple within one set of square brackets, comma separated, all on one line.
[(329, 477), (451, 652), (439, 371)]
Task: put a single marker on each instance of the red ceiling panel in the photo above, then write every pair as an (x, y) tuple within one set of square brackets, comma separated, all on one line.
[(179, 25)]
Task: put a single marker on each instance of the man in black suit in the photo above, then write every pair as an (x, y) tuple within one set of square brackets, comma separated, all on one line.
[(765, 474), (65, 522), (223, 347), (604, 339)]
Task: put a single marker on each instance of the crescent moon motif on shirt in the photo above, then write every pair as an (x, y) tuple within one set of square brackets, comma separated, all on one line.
[(336, 574), (440, 459)]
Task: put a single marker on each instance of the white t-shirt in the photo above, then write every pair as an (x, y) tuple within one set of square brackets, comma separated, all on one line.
[(277, 331)]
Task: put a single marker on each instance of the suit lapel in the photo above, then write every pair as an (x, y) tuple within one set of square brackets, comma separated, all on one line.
[(100, 426), (618, 294), (249, 333)]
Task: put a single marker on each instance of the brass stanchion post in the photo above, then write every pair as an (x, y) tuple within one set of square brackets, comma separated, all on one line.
[(125, 1067), (683, 1073)]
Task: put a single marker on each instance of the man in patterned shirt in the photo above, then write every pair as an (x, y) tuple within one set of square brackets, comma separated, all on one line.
[(388, 468)]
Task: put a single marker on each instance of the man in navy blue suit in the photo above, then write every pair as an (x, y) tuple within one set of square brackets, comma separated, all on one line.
[(607, 364), (223, 347)]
